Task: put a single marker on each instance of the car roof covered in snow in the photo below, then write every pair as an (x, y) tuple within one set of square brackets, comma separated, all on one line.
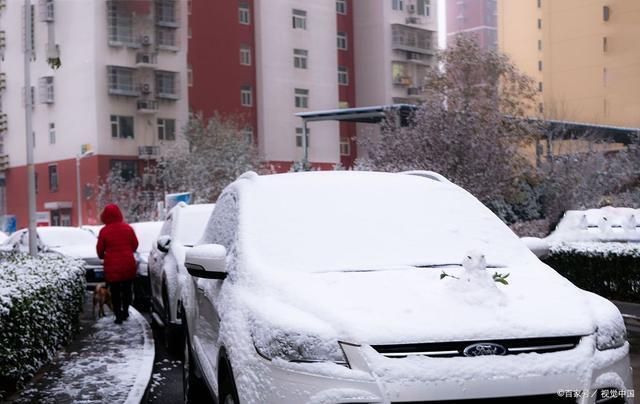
[(604, 224), (345, 220)]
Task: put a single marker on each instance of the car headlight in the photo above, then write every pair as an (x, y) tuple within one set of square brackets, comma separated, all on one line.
[(294, 347), (608, 338)]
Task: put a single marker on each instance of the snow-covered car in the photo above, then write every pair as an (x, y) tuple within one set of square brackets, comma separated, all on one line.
[(68, 241), (181, 229), (147, 234), (607, 228), (95, 229), (360, 287), (3, 237)]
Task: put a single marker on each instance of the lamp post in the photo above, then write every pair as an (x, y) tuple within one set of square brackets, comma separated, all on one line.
[(79, 196), (28, 105)]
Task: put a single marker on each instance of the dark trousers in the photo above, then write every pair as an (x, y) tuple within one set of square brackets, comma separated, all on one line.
[(121, 298)]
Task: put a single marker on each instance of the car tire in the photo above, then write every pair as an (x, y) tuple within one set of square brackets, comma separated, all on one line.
[(173, 334), (228, 393), (193, 387)]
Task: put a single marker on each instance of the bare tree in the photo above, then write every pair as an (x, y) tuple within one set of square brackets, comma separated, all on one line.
[(208, 156), (469, 127), (136, 196)]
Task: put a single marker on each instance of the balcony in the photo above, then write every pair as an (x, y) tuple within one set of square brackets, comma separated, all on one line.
[(3, 81), (147, 107), (146, 60), (148, 152), (3, 122), (414, 20), (412, 39), (402, 80)]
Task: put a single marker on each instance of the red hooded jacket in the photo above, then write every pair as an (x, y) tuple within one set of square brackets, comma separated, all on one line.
[(116, 244)]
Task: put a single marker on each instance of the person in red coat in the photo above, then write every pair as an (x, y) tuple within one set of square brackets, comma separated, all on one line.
[(117, 243)]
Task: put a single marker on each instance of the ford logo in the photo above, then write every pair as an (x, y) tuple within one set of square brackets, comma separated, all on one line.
[(484, 349)]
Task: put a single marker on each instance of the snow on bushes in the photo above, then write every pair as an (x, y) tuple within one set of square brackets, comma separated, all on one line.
[(610, 269), (40, 299)]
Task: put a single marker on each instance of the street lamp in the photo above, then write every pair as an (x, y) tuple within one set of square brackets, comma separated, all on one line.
[(78, 158)]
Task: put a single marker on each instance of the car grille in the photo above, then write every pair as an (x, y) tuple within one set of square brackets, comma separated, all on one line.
[(538, 399), (456, 348)]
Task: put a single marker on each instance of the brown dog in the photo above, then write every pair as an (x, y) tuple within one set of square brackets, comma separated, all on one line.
[(101, 296)]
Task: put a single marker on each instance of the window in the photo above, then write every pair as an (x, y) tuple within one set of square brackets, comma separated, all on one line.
[(300, 57), (246, 96), (244, 15), (299, 19), (343, 76), (540, 65), (166, 129), (52, 133), (605, 44), (341, 6), (539, 23), (424, 7), (33, 33), (541, 108), (121, 127), (342, 40), (127, 169), (247, 133), (299, 137), (301, 98), (166, 13), (121, 81), (345, 146), (539, 3), (120, 23), (606, 13), (166, 38), (245, 55), (46, 89), (540, 86), (53, 178), (397, 4), (190, 76), (166, 84), (539, 44), (36, 181)]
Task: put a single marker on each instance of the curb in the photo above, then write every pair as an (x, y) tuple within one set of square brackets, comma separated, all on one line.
[(143, 379)]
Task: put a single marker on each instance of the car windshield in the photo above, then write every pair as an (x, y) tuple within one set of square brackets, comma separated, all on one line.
[(65, 236), (357, 221), (147, 233), (191, 222)]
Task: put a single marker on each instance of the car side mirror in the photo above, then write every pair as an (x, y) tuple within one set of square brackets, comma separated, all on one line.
[(163, 243), (207, 261), (538, 246)]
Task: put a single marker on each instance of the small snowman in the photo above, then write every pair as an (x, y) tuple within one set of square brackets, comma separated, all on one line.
[(475, 270)]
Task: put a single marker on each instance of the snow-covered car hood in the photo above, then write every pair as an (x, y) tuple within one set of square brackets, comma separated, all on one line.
[(414, 305), (76, 251)]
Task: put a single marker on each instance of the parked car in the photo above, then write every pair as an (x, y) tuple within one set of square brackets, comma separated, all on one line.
[(3, 237), (68, 241), (591, 229), (182, 228), (147, 233), (95, 229), (345, 287)]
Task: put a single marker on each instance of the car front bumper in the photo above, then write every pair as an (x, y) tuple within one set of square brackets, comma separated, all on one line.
[(574, 375)]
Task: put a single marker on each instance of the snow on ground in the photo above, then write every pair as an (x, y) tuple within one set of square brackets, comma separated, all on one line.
[(113, 365)]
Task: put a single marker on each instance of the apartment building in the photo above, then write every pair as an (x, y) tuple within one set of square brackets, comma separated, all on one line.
[(120, 91), (280, 57), (476, 19), (583, 54)]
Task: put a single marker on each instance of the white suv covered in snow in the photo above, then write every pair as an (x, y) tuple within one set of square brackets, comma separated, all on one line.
[(360, 287)]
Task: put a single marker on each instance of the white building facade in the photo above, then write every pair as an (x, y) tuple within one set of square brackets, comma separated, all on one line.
[(119, 91)]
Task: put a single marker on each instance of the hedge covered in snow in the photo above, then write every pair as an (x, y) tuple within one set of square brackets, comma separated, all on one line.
[(40, 299), (609, 269)]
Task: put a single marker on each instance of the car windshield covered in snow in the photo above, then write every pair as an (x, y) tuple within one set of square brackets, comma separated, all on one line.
[(346, 221), (147, 233), (191, 223), (65, 236)]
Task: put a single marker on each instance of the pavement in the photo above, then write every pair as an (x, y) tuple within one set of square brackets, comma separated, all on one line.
[(631, 314), (105, 362)]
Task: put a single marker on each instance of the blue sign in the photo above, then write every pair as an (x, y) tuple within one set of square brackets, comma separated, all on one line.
[(9, 223), (171, 200)]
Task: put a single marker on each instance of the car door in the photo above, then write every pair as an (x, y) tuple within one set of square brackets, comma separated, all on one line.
[(221, 229), (156, 263)]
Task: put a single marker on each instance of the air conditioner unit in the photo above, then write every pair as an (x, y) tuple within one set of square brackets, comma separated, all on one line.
[(146, 40), (412, 9), (146, 88)]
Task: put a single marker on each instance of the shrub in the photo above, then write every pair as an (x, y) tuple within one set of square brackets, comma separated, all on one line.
[(611, 270), (40, 299)]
